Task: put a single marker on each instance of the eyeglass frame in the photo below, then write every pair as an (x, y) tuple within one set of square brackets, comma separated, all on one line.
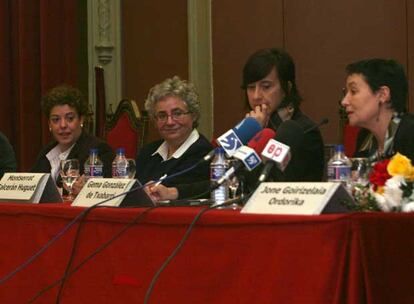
[(180, 114)]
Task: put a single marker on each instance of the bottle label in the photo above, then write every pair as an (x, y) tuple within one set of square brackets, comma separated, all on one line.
[(120, 171), (216, 172), (339, 173), (220, 194), (94, 170)]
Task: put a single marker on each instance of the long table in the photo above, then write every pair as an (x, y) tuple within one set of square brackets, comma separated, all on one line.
[(228, 257)]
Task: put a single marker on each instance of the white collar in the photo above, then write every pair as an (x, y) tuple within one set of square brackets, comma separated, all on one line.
[(163, 148), (55, 156)]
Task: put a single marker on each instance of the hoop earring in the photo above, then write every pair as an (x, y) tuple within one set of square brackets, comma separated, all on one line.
[(81, 125)]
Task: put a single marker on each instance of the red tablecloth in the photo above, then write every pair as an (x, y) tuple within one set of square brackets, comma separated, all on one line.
[(228, 258)]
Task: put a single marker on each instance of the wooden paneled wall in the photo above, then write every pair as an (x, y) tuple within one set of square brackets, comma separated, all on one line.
[(322, 36)]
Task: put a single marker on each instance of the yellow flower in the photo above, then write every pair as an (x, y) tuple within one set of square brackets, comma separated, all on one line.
[(400, 165), (410, 176)]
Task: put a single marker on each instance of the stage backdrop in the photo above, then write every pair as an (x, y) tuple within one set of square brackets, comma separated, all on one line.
[(38, 50)]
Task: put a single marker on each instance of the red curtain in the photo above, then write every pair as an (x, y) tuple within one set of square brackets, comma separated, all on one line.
[(38, 50)]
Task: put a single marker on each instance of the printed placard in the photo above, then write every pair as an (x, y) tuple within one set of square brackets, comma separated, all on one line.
[(297, 198), (97, 190), (28, 187)]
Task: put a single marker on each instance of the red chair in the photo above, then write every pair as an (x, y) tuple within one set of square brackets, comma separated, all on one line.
[(350, 135), (347, 133), (127, 128)]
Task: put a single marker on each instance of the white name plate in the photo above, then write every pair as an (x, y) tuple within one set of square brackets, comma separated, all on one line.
[(28, 187), (97, 190), (297, 198)]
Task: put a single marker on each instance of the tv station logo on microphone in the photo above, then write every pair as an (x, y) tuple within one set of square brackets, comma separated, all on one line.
[(277, 152), (248, 156), (230, 142)]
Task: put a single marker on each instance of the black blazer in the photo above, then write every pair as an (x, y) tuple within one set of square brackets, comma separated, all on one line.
[(7, 157), (307, 162), (81, 152), (152, 167), (403, 139)]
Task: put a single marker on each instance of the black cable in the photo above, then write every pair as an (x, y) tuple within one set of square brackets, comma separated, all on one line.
[(75, 241), (80, 216), (73, 250), (58, 235), (180, 245), (93, 254), (66, 228)]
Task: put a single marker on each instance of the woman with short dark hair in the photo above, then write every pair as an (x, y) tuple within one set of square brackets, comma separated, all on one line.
[(272, 97), (376, 100)]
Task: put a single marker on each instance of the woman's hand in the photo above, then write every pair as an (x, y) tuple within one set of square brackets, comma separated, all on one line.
[(261, 113), (161, 193), (78, 185)]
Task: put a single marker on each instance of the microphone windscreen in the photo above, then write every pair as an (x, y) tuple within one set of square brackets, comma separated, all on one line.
[(246, 129), (290, 133), (259, 141)]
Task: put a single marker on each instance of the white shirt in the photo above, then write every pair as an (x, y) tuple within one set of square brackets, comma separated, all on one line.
[(163, 148), (55, 156)]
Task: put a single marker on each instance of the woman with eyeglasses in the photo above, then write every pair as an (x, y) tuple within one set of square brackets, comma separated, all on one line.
[(175, 110), (376, 100), (66, 108)]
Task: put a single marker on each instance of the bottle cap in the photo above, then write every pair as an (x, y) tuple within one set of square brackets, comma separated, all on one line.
[(339, 148), (120, 150)]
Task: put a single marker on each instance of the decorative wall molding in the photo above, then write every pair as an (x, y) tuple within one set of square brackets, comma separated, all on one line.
[(200, 59), (105, 48)]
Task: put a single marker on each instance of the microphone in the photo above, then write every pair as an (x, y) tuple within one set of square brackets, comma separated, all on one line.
[(322, 122), (249, 155), (235, 138), (288, 137)]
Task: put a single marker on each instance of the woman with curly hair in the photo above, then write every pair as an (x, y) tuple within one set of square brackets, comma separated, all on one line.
[(65, 108), (174, 107)]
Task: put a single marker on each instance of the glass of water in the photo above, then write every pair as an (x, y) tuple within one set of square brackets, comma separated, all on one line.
[(132, 168), (69, 171), (360, 170)]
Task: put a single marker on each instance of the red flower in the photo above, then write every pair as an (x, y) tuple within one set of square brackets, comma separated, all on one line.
[(379, 174)]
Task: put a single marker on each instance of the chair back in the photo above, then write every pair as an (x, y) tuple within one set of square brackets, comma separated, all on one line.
[(347, 134), (127, 128), (350, 137)]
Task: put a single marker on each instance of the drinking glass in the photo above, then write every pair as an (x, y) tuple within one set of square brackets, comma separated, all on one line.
[(360, 171), (233, 186), (69, 171), (132, 168)]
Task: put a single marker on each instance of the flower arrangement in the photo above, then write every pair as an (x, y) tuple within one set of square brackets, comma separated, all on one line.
[(390, 188)]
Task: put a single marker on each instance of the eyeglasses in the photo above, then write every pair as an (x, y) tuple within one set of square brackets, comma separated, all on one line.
[(175, 115)]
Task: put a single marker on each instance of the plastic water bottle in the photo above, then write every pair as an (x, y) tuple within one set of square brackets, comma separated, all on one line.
[(120, 165), (339, 167), (218, 167), (93, 165)]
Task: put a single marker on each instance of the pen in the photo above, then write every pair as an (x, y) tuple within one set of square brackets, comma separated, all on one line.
[(160, 180)]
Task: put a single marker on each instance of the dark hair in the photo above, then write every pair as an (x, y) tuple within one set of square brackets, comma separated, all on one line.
[(261, 63), (64, 95), (383, 72)]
